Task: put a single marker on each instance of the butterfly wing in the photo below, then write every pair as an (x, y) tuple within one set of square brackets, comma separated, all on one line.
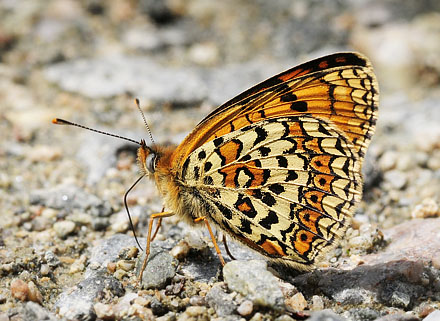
[(284, 186), (341, 88)]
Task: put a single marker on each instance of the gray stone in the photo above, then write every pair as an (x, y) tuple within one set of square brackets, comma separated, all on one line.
[(354, 296), (381, 280), (116, 75), (252, 280), (69, 197), (325, 315), (33, 311), (100, 223), (367, 314), (220, 301), (77, 303), (51, 259), (107, 251), (161, 268), (399, 294), (399, 316), (396, 179)]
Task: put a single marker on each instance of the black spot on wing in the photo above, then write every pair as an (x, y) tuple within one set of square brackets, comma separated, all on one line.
[(207, 166), (276, 188), (268, 199), (202, 155), (291, 175), (300, 106), (288, 97), (282, 161), (271, 218), (264, 151), (218, 141), (245, 226), (261, 135)]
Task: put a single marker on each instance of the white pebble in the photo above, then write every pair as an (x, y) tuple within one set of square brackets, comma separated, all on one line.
[(64, 228)]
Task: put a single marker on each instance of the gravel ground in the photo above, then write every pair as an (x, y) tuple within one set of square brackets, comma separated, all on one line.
[(66, 249)]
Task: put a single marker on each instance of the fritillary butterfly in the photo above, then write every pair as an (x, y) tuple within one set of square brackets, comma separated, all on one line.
[(278, 167)]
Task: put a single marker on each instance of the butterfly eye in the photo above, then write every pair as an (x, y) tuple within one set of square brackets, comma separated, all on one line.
[(150, 162)]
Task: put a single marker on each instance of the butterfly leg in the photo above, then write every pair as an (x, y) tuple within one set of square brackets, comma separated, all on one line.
[(159, 223), (159, 216), (217, 249), (227, 248)]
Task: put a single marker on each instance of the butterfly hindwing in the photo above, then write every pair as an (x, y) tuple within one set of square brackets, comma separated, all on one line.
[(284, 186)]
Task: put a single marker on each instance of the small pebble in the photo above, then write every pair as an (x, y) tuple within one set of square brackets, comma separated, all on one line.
[(125, 265), (142, 301), (49, 213), (317, 303), (197, 300), (44, 269), (79, 265), (111, 267), (297, 302), (245, 308), (195, 311), (128, 253), (64, 228), (258, 317), (425, 309), (180, 250), (34, 294), (436, 260), (19, 290), (428, 208), (104, 311), (388, 160), (120, 274)]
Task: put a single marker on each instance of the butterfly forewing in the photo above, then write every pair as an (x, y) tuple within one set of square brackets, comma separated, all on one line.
[(341, 88), (285, 186)]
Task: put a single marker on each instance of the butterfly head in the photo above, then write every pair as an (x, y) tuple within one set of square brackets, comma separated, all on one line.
[(147, 158)]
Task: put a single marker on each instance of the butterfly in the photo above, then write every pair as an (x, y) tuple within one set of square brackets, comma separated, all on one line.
[(278, 167)]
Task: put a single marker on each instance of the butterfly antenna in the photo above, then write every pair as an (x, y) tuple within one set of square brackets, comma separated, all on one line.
[(128, 212), (59, 121), (145, 121)]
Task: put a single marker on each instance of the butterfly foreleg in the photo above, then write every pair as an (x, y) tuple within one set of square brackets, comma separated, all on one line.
[(150, 238), (217, 249)]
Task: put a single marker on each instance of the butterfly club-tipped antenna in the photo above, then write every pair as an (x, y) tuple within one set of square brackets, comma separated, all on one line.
[(59, 121), (138, 105)]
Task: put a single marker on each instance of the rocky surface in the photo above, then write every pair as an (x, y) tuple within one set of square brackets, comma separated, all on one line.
[(66, 249)]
